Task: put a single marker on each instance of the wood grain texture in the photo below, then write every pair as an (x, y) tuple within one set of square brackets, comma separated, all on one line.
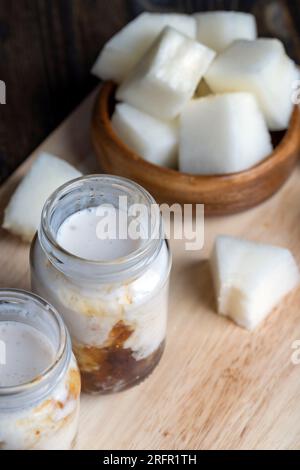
[(217, 386), (221, 194), (47, 49)]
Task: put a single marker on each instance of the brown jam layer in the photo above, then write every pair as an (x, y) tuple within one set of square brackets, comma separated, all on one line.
[(113, 368)]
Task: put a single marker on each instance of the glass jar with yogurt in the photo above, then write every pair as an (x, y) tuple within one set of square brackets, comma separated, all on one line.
[(101, 259), (39, 377)]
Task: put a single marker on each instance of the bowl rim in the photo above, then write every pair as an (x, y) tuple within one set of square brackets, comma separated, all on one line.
[(279, 154)]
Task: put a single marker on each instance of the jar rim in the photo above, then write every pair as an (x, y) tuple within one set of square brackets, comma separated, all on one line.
[(18, 297), (101, 269)]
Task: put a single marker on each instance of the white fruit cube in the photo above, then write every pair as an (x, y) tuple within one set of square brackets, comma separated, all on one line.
[(222, 134), (218, 29), (154, 140), (167, 77), (251, 278), (262, 68), (126, 48), (23, 213)]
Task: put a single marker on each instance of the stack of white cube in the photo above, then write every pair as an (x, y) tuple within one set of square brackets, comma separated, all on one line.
[(200, 92)]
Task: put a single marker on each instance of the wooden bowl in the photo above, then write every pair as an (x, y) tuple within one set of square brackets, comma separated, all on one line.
[(221, 194)]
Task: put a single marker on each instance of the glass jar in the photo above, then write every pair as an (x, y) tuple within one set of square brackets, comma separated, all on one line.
[(41, 413), (115, 310)]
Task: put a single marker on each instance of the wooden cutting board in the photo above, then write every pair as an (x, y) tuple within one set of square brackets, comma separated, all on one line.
[(217, 386)]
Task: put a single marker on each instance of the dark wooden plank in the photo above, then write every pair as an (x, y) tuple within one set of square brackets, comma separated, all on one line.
[(47, 49), (23, 118)]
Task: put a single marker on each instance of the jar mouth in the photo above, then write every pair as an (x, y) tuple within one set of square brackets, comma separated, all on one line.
[(18, 300), (92, 189)]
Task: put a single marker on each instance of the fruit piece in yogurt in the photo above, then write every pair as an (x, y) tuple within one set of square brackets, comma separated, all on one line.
[(23, 213), (113, 367), (251, 278), (167, 76), (120, 54)]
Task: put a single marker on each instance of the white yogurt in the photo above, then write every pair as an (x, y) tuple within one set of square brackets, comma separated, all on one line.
[(48, 424), (28, 353), (79, 235), (39, 376), (90, 311), (109, 304)]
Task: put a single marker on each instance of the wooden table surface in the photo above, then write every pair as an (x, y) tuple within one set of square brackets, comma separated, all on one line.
[(47, 49), (217, 386)]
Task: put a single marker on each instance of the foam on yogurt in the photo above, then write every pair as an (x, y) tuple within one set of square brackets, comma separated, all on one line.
[(79, 234), (28, 353)]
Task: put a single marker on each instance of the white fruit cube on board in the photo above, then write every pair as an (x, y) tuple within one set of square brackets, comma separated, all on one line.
[(222, 134), (23, 213), (126, 48), (251, 278), (151, 138), (218, 29), (262, 68), (167, 77)]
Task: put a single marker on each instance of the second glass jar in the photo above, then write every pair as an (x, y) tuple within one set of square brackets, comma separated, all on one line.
[(41, 413), (115, 309)]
